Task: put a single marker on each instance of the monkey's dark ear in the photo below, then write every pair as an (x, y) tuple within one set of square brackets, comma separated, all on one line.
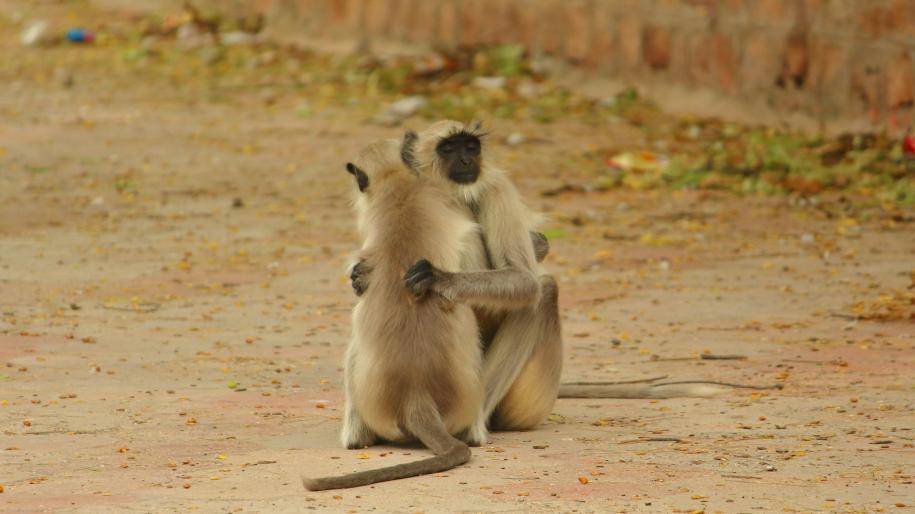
[(408, 150), (362, 180)]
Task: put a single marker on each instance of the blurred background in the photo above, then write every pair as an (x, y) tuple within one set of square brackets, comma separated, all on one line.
[(720, 178), (757, 95)]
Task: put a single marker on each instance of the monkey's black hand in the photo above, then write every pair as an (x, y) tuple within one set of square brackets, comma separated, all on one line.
[(541, 246), (359, 277), (419, 278)]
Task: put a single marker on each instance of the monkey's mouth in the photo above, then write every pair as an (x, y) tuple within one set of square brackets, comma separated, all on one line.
[(464, 178)]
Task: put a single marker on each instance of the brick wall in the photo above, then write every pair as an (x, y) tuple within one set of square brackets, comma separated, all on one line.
[(832, 59)]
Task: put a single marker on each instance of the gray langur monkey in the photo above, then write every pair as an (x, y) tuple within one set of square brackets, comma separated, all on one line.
[(516, 303), (413, 364)]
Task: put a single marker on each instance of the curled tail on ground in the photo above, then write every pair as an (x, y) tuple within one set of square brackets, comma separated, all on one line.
[(426, 425)]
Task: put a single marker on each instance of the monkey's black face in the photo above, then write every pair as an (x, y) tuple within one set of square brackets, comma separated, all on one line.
[(460, 154)]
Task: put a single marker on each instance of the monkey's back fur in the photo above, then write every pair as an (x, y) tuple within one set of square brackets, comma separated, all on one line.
[(408, 352)]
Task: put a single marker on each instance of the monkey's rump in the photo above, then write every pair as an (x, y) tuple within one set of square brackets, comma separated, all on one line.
[(411, 351)]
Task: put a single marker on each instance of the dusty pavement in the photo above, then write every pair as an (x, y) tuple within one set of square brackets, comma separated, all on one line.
[(174, 312)]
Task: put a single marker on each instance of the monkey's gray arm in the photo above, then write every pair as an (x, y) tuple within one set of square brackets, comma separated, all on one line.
[(509, 288), (512, 249), (360, 272)]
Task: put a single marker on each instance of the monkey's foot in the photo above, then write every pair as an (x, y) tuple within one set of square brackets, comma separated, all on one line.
[(358, 442), (356, 434), (476, 435)]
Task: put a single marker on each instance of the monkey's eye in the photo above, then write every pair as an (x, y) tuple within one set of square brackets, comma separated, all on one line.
[(446, 147), (473, 147)]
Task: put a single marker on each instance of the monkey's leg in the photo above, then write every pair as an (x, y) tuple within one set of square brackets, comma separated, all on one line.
[(355, 433), (523, 363), (476, 434)]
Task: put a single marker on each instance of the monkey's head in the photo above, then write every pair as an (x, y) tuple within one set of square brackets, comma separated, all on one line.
[(374, 162), (448, 149), (378, 172)]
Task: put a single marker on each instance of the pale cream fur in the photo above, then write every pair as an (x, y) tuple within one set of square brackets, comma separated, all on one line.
[(523, 358), (429, 346)]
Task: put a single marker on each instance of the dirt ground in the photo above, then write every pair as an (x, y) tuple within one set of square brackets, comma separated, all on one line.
[(175, 310)]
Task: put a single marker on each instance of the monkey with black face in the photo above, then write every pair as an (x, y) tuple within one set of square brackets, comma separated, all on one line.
[(515, 301), (413, 364)]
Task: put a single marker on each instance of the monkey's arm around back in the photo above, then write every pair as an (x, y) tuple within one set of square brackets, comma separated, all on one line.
[(505, 288), (360, 271), (506, 224)]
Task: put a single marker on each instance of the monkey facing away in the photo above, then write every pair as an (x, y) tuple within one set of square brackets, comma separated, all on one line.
[(413, 364)]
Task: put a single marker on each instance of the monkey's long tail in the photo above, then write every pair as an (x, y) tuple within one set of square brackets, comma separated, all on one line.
[(427, 426), (653, 391)]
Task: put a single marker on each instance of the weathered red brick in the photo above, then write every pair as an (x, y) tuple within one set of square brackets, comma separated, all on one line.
[(795, 61), (900, 82), (424, 22), (494, 22), (400, 18), (487, 21), (552, 23), (338, 10), (681, 58), (731, 11), (447, 33), (468, 23), (317, 14), (688, 9), (700, 45), (519, 24), (629, 41), (828, 76), (866, 78), (263, 6), (872, 20), (376, 16), (894, 17), (354, 15), (602, 39), (773, 12), (904, 12), (826, 51), (828, 66), (725, 59), (578, 29), (759, 66), (656, 47)]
